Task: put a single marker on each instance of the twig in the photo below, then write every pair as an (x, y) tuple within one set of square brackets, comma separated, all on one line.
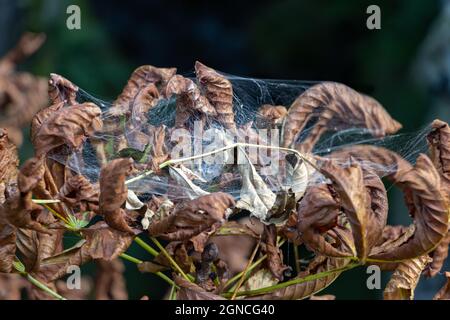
[(292, 282), (146, 247), (231, 146), (241, 280), (21, 270), (159, 273), (172, 262)]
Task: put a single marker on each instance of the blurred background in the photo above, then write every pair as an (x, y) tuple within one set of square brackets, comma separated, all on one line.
[(405, 65)]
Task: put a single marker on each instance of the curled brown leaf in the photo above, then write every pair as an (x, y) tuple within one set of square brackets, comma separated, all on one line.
[(428, 208), (69, 126), (189, 218), (337, 106), (114, 192), (404, 280), (219, 91)]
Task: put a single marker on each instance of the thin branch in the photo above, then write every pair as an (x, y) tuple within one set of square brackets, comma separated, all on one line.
[(241, 280), (292, 282), (172, 262)]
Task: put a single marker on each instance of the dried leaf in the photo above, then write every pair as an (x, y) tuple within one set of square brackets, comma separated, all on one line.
[(305, 289), (439, 255), (444, 292), (61, 90), (9, 163), (404, 280), (323, 297), (219, 91), (191, 291), (336, 106), (180, 176), (189, 100), (439, 142), (78, 193), (317, 213), (271, 115), (274, 253), (297, 175), (140, 80), (382, 161), (192, 217), (151, 266), (100, 242), (114, 193), (260, 279), (69, 126), (7, 247), (109, 280), (18, 208), (255, 195), (11, 286), (349, 184), (428, 208)]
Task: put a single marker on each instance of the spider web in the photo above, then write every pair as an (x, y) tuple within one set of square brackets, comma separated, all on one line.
[(248, 96)]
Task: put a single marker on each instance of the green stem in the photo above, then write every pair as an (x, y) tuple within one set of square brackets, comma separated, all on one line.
[(43, 287), (241, 280), (292, 282), (146, 247), (21, 270), (130, 258), (159, 273), (172, 262), (250, 269)]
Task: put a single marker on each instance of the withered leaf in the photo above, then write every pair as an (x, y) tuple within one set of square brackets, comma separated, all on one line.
[(297, 175), (219, 91), (272, 115), (274, 253), (404, 280), (349, 184), (9, 162), (140, 79), (150, 266), (192, 291), (336, 106), (444, 292), (439, 255), (61, 90), (317, 213), (255, 195), (110, 282), (323, 297), (114, 193), (100, 242), (428, 208), (260, 279), (7, 247), (11, 286), (21, 94), (77, 192), (439, 142), (233, 228), (382, 161), (189, 188), (70, 126), (192, 217), (305, 289), (18, 208), (189, 100)]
